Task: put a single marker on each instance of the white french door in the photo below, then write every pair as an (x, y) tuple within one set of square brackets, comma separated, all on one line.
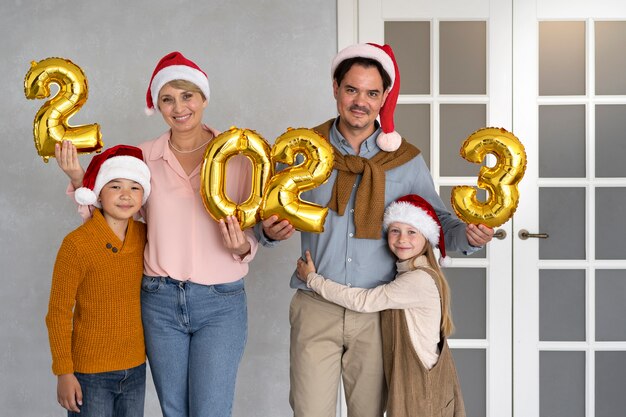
[(455, 60), (541, 320), (569, 89)]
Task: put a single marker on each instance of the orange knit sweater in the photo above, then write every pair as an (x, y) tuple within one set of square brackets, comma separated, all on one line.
[(94, 315)]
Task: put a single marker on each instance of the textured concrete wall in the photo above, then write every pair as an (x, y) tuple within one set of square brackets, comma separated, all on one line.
[(268, 63)]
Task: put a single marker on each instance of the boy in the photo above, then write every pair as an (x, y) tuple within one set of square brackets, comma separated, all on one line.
[(94, 314)]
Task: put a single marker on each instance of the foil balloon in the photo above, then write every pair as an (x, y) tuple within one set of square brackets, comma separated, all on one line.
[(282, 194), (51, 121), (233, 142), (500, 181)]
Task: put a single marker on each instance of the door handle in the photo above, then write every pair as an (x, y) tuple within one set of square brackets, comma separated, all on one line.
[(500, 234), (524, 234)]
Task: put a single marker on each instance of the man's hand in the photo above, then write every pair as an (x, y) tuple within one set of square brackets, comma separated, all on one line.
[(478, 235), (277, 230)]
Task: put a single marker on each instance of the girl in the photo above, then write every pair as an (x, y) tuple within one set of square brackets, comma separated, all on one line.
[(415, 319)]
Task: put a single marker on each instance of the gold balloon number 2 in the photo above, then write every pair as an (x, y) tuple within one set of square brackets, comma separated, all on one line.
[(51, 121), (271, 193), (500, 181)]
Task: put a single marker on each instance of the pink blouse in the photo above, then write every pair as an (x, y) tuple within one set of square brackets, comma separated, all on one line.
[(184, 242)]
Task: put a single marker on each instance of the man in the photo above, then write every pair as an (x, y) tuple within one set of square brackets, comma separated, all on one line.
[(373, 167)]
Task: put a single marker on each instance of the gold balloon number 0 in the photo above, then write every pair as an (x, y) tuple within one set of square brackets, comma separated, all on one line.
[(51, 121), (500, 181), (271, 193)]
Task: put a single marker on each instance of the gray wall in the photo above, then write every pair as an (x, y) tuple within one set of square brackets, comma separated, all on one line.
[(268, 63)]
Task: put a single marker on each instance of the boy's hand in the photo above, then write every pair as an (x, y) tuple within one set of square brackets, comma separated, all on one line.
[(69, 393), (67, 158), (305, 267)]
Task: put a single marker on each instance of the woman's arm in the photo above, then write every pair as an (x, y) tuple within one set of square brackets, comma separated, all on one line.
[(67, 158)]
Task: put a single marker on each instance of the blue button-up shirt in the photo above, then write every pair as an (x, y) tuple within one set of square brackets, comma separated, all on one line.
[(366, 263)]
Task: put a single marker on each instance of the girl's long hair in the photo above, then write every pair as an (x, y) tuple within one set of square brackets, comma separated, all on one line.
[(447, 325)]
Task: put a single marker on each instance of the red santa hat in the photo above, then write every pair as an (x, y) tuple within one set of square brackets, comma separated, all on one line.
[(174, 66), (121, 161), (389, 140), (417, 212)]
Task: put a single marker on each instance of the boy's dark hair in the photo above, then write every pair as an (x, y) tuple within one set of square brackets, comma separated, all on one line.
[(346, 64)]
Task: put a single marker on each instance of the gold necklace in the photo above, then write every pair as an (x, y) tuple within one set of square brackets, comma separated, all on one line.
[(191, 151)]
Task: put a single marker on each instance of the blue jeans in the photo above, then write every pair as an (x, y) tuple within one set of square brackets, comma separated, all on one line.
[(112, 394), (195, 336)]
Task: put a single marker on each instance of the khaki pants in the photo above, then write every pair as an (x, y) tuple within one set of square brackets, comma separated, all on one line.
[(329, 342)]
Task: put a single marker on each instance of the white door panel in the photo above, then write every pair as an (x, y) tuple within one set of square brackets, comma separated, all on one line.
[(555, 340)]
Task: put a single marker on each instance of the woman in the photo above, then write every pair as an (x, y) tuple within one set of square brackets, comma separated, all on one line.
[(193, 300)]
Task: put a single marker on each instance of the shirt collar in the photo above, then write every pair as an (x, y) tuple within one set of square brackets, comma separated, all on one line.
[(368, 146), (412, 264)]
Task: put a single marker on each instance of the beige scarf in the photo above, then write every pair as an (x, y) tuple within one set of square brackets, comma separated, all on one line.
[(369, 206)]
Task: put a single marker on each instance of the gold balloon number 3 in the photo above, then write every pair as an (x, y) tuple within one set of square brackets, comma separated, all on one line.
[(500, 181), (51, 121), (271, 193)]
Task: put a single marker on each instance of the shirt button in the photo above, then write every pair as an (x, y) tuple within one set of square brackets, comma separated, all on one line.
[(349, 285), (350, 234), (349, 259), (354, 185), (114, 250), (351, 210), (109, 246)]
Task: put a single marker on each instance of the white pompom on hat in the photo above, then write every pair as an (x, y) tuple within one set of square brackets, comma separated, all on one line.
[(417, 212), (389, 140), (174, 66), (121, 161)]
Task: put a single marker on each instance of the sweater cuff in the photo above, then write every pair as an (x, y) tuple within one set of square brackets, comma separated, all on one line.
[(62, 368), (310, 277)]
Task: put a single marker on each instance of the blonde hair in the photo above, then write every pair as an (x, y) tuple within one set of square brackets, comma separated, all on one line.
[(447, 325), (186, 85)]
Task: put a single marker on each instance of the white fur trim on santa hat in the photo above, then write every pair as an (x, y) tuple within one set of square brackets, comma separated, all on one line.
[(389, 142), (177, 72), (445, 261), (404, 212), (85, 196), (123, 166), (366, 51)]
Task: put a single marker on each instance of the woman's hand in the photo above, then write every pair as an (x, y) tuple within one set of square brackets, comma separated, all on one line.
[(305, 267), (69, 393), (67, 158), (233, 237)]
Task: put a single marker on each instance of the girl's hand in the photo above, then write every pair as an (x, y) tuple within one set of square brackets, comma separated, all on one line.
[(305, 267), (69, 393), (233, 237), (67, 158)]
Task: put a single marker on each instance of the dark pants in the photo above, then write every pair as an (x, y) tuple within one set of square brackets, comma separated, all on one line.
[(113, 394)]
